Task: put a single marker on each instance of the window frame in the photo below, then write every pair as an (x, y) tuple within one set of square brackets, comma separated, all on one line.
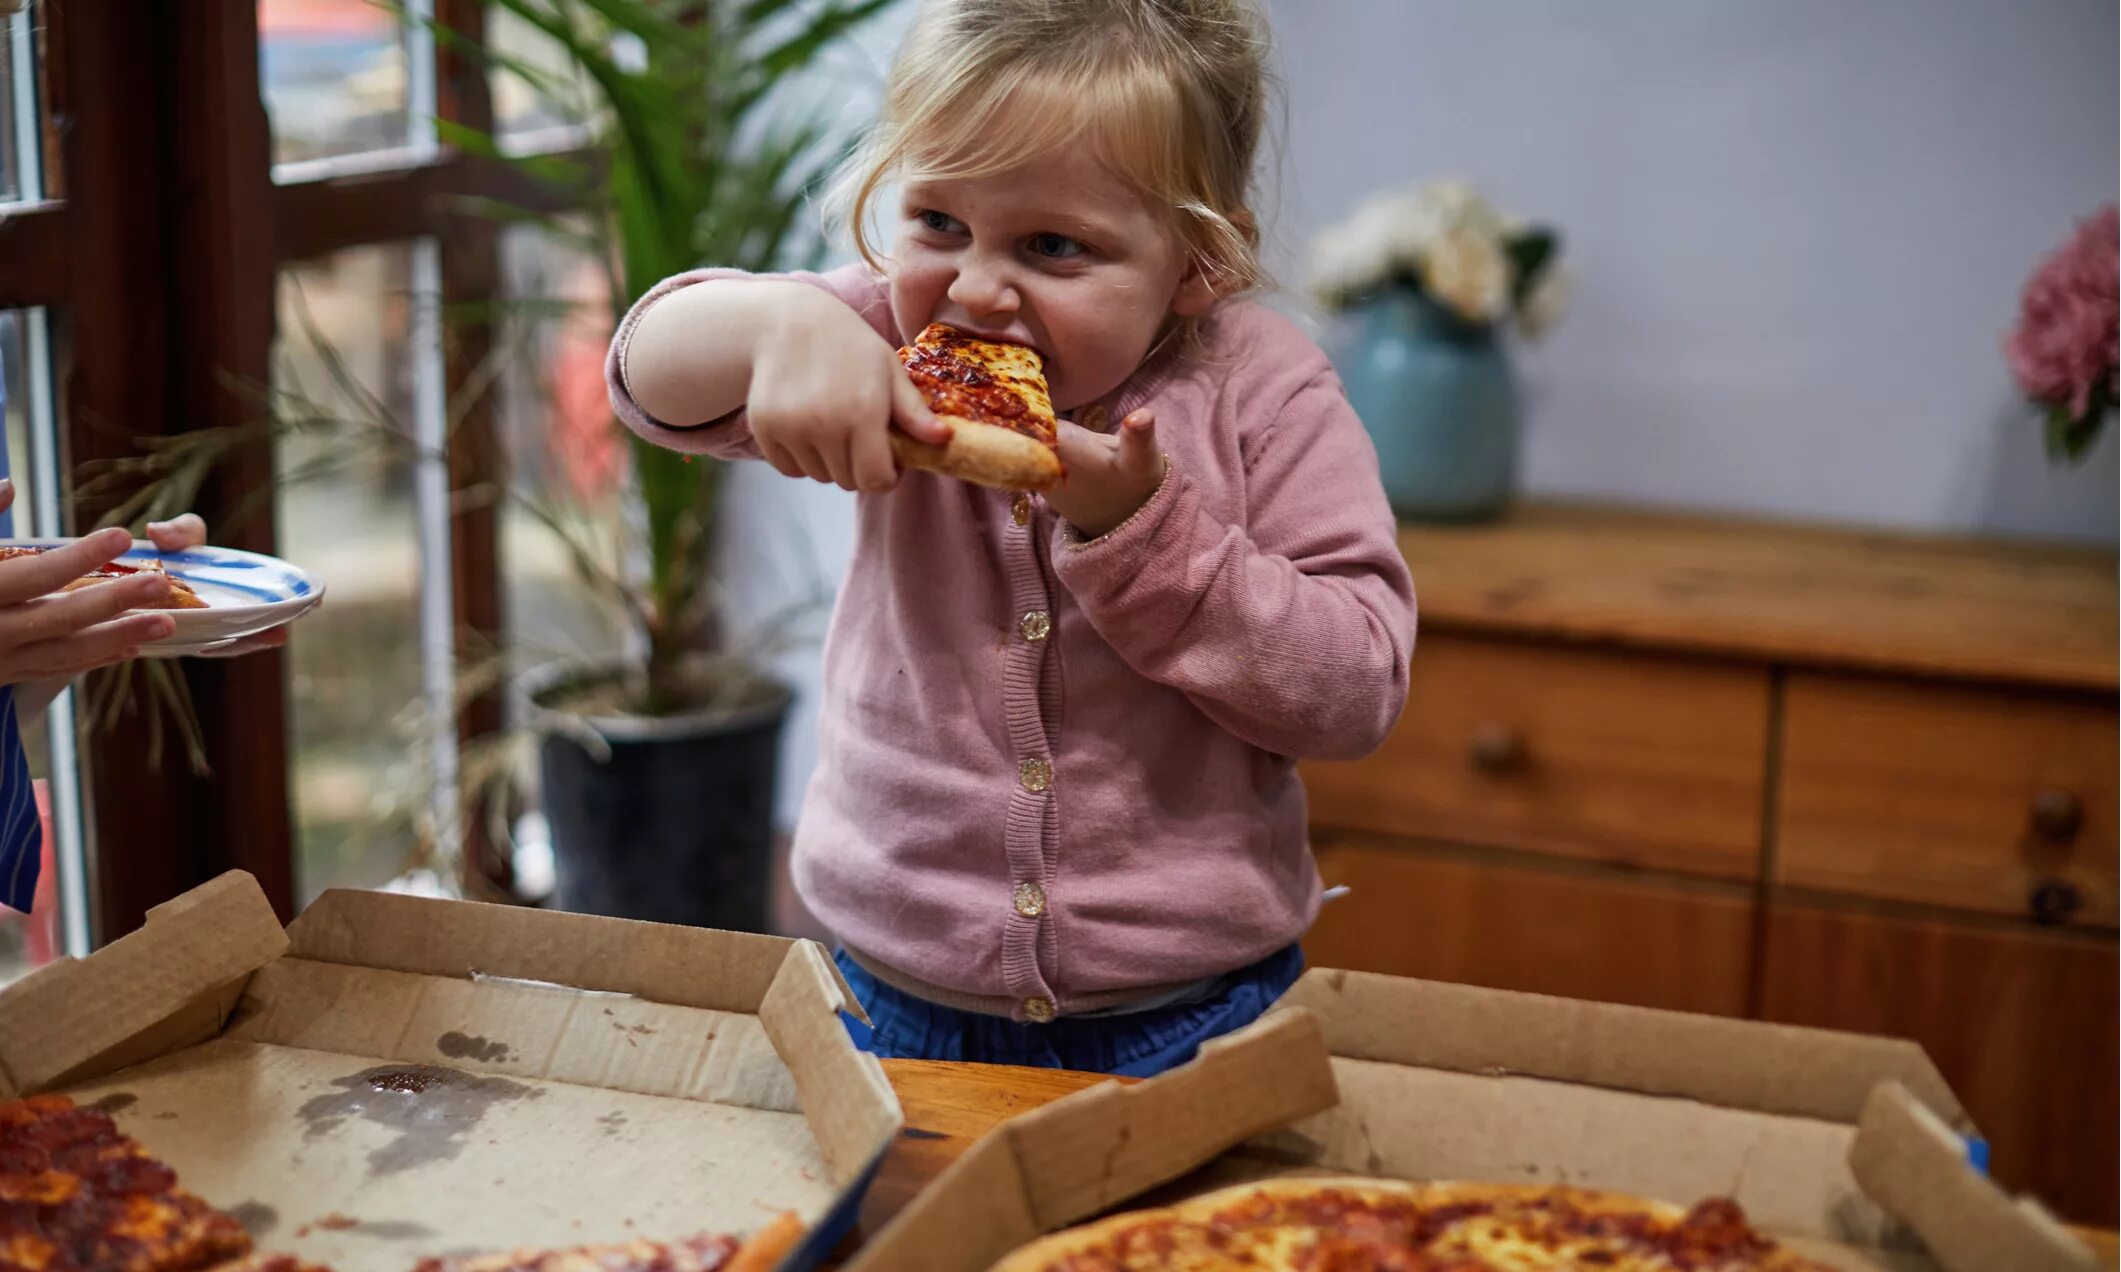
[(153, 271)]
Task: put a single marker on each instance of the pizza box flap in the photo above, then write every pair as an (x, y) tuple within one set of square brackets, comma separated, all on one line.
[(1737, 1064), (843, 1091), (165, 986), (666, 963), (1089, 1151), (1913, 1165)]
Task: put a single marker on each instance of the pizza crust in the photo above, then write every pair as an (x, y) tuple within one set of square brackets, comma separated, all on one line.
[(768, 1246), (178, 596), (985, 454)]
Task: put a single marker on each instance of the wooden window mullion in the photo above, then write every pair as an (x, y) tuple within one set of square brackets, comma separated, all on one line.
[(471, 283), (164, 299)]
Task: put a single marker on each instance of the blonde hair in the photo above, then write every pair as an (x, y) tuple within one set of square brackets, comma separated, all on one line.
[(1170, 93)]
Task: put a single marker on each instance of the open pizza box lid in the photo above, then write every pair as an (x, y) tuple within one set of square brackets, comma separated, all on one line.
[(392, 1077), (1848, 1148)]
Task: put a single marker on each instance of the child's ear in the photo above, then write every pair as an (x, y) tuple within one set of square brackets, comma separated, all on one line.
[(1197, 290), (1205, 280)]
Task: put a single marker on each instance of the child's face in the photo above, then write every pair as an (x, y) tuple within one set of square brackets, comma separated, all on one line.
[(1058, 254)]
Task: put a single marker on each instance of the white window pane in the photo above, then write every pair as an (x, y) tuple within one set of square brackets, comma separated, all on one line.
[(355, 349), (342, 78), (21, 111), (536, 88), (567, 457)]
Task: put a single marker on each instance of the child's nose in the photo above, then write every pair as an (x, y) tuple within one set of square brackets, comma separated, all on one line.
[(982, 288)]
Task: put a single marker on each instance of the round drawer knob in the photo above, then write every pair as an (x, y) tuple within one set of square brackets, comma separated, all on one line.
[(1497, 748), (2057, 814), (2054, 902)]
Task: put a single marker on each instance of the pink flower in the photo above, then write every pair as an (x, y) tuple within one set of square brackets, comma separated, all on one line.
[(2068, 339)]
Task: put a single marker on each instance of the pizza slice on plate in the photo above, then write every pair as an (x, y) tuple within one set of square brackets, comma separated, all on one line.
[(994, 396), (1379, 1224), (180, 595)]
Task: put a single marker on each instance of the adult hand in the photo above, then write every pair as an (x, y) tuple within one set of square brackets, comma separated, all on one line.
[(188, 530), (48, 634)]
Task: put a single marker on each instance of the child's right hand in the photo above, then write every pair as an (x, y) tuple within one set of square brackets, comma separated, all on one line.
[(826, 391)]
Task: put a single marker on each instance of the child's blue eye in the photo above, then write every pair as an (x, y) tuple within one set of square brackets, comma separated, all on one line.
[(1057, 247), (940, 222)]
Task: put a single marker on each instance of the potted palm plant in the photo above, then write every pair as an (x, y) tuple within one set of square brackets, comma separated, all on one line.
[(657, 770)]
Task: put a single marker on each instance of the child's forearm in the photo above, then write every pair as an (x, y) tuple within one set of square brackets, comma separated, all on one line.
[(690, 357)]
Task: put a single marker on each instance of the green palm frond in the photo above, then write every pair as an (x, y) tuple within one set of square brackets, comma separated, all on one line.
[(697, 168)]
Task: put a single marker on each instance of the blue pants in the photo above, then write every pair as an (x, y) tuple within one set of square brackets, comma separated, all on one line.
[(1138, 1044)]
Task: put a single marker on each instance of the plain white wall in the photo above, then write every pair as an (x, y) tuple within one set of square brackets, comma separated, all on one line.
[(1798, 230)]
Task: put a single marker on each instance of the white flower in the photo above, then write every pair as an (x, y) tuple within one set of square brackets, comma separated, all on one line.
[(1360, 253), (1455, 204), (1447, 236), (1468, 272), (1545, 303)]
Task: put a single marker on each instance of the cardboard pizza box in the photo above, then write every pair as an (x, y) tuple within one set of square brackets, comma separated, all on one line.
[(1088, 1152), (393, 1077), (1852, 1149)]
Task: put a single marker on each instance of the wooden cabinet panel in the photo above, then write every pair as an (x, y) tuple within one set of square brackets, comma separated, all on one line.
[(2021, 1023), (1413, 912), (1977, 799), (1638, 760)]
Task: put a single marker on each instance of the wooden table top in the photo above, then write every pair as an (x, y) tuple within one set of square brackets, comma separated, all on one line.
[(1804, 595), (949, 1106)]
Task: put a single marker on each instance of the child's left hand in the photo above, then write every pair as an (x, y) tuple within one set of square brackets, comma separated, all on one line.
[(1110, 475)]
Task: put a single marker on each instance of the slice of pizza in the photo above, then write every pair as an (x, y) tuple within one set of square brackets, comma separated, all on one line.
[(707, 1252), (180, 595), (1284, 1225), (75, 1193), (994, 396)]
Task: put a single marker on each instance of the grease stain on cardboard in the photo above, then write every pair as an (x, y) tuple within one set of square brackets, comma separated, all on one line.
[(430, 1108)]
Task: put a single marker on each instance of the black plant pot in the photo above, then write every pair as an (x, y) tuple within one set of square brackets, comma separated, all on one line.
[(674, 823)]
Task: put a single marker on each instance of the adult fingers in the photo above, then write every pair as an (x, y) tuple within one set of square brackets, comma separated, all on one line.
[(187, 530), (273, 638), (54, 617), (85, 649), (25, 578)]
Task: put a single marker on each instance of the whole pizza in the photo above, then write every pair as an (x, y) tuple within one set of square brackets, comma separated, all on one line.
[(1375, 1225)]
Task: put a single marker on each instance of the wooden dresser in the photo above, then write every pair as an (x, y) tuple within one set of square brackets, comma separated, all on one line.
[(1838, 778)]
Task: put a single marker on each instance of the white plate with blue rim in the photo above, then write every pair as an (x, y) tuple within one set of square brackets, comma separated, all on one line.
[(245, 593)]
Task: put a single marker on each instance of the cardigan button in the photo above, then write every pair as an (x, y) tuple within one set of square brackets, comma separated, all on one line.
[(1020, 510), (1039, 1009), (1030, 900), (1037, 625), (1034, 774)]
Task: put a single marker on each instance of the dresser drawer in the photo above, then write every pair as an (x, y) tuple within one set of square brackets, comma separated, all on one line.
[(1650, 761), (1564, 929), (1976, 799)]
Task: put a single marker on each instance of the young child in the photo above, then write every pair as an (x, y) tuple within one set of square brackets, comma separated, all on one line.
[(1055, 819)]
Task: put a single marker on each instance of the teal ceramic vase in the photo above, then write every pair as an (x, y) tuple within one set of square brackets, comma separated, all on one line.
[(1439, 400)]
